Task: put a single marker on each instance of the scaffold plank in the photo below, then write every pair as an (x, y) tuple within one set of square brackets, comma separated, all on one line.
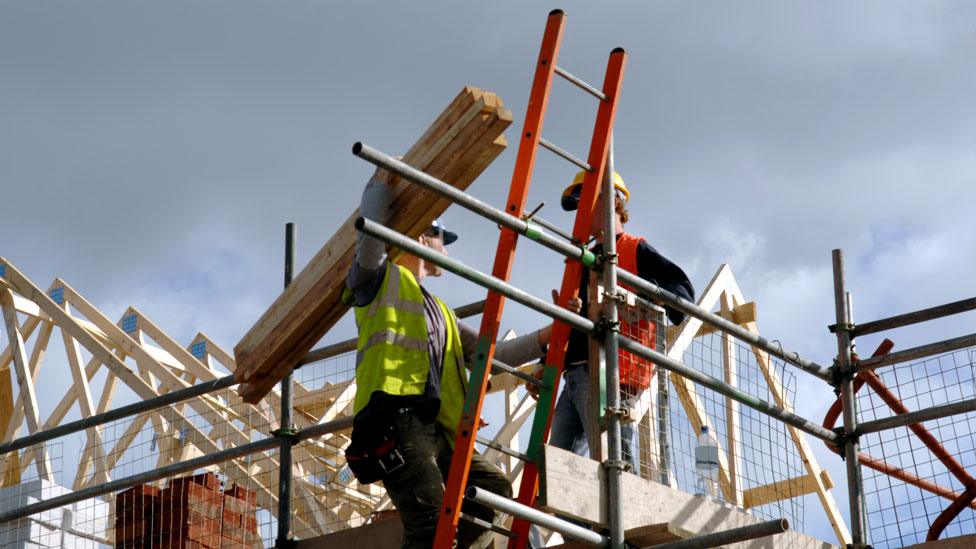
[(574, 486)]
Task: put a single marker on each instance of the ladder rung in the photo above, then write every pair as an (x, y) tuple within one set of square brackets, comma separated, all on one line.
[(580, 84), (486, 525), (497, 366), (548, 225), (507, 451), (563, 153), (516, 509)]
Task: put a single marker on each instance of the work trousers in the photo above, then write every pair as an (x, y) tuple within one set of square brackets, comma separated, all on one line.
[(569, 423), (417, 488)]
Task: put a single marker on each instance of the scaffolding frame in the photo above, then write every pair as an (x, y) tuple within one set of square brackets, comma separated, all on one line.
[(111, 343), (38, 312)]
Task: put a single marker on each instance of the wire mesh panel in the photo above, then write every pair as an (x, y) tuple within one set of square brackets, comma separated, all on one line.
[(23, 485), (644, 437), (226, 505), (326, 496), (758, 456), (907, 485)]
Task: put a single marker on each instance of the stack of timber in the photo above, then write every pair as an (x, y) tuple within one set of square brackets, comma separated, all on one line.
[(456, 148)]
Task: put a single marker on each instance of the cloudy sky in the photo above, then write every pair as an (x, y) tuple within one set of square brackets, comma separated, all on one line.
[(150, 153)]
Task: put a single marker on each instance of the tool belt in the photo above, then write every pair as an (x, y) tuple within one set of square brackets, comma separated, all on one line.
[(373, 453)]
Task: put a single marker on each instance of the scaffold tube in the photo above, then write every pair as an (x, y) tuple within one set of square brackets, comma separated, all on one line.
[(584, 325)]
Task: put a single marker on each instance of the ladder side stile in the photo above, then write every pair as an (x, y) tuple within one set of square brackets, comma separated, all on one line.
[(504, 258), (542, 422)]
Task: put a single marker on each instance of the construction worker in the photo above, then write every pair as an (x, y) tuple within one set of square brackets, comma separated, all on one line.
[(569, 422), (411, 379)]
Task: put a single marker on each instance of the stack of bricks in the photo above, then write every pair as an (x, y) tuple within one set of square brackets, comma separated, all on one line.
[(190, 513)]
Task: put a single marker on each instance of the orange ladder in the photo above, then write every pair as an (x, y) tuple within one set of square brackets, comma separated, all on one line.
[(529, 142)]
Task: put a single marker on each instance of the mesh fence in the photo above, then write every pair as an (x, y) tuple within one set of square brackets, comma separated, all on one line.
[(223, 505), (234, 504), (758, 453), (902, 506), (326, 496)]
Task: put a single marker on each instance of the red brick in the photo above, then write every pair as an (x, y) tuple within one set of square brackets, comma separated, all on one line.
[(137, 497), (238, 505), (134, 530), (239, 492), (181, 542), (241, 520), (231, 543), (185, 522), (189, 493), (207, 480), (239, 535), (205, 534)]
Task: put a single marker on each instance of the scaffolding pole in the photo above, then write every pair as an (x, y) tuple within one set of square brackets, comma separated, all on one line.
[(914, 317), (844, 324), (128, 410), (172, 470), (411, 246), (608, 346), (516, 509), (734, 535), (911, 418), (914, 353), (286, 430), (579, 252)]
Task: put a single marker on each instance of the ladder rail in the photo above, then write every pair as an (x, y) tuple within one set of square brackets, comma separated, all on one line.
[(504, 258), (542, 422)]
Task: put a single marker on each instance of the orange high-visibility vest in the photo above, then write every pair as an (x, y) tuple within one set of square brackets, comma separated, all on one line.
[(635, 371)]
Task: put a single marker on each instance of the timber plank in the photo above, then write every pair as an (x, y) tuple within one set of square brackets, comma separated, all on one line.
[(456, 148)]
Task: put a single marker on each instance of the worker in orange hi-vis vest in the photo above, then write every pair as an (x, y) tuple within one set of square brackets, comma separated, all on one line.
[(634, 254)]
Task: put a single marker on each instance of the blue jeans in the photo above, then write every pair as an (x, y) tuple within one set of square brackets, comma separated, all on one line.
[(569, 420)]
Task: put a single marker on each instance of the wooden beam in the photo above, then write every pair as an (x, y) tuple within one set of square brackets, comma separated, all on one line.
[(386, 533), (25, 381), (654, 534), (573, 486), (730, 369), (126, 344), (784, 489), (36, 360), (85, 403), (455, 148), (741, 314)]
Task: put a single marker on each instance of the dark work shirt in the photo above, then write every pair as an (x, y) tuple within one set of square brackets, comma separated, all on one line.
[(651, 266)]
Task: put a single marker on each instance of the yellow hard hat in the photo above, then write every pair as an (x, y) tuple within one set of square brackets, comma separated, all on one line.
[(571, 195)]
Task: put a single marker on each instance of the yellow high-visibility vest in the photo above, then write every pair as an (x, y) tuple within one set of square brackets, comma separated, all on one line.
[(391, 354)]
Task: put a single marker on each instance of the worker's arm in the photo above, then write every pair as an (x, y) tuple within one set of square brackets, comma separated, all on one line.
[(513, 352), (366, 274), (654, 267)]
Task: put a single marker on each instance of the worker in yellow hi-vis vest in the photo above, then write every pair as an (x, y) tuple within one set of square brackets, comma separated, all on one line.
[(411, 379)]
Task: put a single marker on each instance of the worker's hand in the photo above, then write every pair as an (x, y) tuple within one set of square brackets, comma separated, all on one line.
[(482, 422), (534, 389), (384, 176), (575, 304)]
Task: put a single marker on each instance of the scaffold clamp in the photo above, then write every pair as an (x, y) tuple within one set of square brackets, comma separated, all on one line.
[(618, 464), (288, 433)]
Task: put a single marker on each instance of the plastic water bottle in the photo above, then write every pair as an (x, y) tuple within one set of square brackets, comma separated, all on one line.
[(706, 465)]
